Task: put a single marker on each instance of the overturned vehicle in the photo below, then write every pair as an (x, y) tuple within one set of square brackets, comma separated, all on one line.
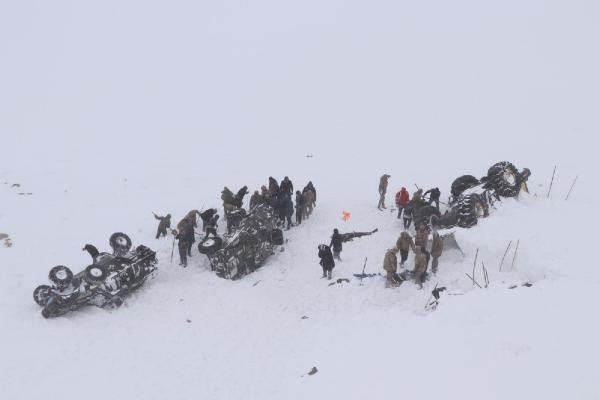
[(104, 283), (253, 239), (472, 198)]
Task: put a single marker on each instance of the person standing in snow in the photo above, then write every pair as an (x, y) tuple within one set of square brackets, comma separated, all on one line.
[(402, 198), (206, 216), (163, 225), (404, 244), (417, 196), (408, 215), (434, 197), (186, 239), (287, 187), (299, 207), (336, 244), (211, 226), (390, 265), (310, 187), (420, 267), (383, 185), (255, 200), (273, 187), (437, 247), (327, 262), (421, 240), (309, 201), (288, 209)]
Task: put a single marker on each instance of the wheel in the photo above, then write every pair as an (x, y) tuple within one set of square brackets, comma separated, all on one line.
[(95, 274), (210, 245), (504, 179), (463, 183), (41, 294), (120, 242), (60, 276), (470, 208), (277, 237)]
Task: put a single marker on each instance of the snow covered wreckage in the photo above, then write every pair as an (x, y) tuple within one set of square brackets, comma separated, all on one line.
[(103, 283), (471, 197), (251, 241)]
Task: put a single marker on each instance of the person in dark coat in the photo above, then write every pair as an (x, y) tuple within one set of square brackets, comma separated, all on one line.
[(273, 187), (408, 215), (327, 261), (163, 225), (186, 240), (288, 210), (310, 188), (256, 199), (287, 187), (211, 226), (206, 216), (434, 197), (299, 207), (336, 244)]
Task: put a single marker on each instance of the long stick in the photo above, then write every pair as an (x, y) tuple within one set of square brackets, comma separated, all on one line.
[(573, 184), (485, 275), (363, 273), (474, 282), (515, 256), (552, 181), (474, 264), (505, 253), (172, 249)]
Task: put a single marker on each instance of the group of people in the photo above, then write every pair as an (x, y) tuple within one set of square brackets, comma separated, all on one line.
[(277, 196), (404, 201), (405, 243)]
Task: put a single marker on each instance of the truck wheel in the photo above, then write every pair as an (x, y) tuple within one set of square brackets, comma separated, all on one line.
[(60, 276), (463, 183), (95, 274), (504, 179), (120, 242), (40, 294), (210, 245)]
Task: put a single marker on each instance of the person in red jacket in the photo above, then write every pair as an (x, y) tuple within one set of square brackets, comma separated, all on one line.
[(402, 198)]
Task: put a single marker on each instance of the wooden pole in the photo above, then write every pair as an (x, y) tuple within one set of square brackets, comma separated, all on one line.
[(551, 182), (515, 256), (474, 265), (505, 253), (573, 184), (474, 282), (485, 275)]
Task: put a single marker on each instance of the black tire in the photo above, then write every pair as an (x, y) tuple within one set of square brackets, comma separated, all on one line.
[(277, 237), (470, 209), (40, 294), (60, 276), (504, 179), (463, 183), (95, 274), (120, 242), (210, 246), (422, 216)]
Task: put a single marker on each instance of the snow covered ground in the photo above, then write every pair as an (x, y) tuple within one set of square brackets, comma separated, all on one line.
[(110, 111)]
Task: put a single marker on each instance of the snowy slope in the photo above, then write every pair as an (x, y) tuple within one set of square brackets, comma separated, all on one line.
[(114, 110)]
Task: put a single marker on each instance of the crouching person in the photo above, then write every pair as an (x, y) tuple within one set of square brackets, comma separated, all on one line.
[(390, 265), (327, 261)]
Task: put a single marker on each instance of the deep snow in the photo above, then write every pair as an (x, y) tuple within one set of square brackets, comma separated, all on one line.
[(114, 110)]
